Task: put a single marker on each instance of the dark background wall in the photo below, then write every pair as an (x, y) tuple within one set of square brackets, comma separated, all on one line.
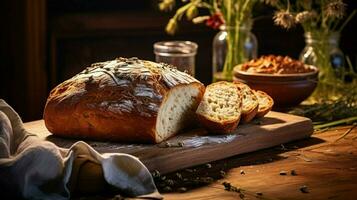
[(44, 42)]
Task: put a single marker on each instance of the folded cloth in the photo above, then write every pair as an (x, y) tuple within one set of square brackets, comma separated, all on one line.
[(32, 168)]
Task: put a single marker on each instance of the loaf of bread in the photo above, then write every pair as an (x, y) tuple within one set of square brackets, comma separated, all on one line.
[(221, 107), (124, 100)]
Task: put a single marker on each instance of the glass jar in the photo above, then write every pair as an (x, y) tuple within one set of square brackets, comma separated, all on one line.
[(232, 46), (322, 51), (180, 54)]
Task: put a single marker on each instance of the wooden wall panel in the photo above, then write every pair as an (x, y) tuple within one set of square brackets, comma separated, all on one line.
[(12, 50), (78, 40), (35, 57)]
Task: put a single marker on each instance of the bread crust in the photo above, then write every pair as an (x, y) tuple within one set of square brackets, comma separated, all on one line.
[(116, 100), (217, 127), (248, 115), (263, 111), (225, 126)]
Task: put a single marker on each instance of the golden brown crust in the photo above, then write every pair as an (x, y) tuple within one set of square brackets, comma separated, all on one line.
[(226, 125), (266, 103), (249, 116), (218, 127), (115, 100), (248, 113)]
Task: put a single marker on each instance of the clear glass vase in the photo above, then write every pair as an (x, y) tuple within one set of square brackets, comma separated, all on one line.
[(232, 46), (322, 50)]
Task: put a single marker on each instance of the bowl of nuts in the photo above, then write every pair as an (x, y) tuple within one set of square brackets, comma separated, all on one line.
[(287, 81)]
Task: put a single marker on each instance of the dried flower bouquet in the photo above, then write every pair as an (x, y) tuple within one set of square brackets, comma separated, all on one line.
[(321, 19)]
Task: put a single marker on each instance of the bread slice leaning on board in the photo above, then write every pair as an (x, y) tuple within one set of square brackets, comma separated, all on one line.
[(250, 102), (265, 103), (124, 100), (221, 107)]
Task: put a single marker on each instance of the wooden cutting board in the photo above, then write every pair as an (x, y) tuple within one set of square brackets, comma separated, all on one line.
[(198, 146)]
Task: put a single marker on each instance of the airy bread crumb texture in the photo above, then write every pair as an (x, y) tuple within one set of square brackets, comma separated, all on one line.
[(177, 111), (250, 101), (221, 102)]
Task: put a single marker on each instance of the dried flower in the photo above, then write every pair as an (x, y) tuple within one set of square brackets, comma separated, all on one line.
[(305, 16), (284, 19), (171, 27), (191, 12), (215, 21), (167, 5), (271, 2), (200, 19), (335, 9)]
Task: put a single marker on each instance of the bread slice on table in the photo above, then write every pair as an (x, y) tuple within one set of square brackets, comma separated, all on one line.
[(265, 103), (220, 109), (250, 102)]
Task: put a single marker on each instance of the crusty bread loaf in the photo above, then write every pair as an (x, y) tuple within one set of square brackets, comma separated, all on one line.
[(220, 108), (124, 100), (265, 103), (250, 102)]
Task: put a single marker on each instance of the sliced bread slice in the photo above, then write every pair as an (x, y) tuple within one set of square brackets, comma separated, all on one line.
[(265, 103), (220, 109), (250, 102)]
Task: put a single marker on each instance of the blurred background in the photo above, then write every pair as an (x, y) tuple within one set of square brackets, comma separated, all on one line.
[(44, 42)]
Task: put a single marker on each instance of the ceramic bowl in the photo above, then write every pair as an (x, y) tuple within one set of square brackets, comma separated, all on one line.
[(287, 90)]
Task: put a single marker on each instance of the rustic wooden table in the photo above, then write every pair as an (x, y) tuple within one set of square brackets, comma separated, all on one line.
[(325, 167)]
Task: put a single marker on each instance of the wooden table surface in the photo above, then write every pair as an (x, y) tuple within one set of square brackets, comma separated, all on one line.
[(325, 164)]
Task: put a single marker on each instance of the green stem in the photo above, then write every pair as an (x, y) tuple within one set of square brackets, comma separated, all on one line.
[(335, 123), (179, 13), (347, 20), (235, 15)]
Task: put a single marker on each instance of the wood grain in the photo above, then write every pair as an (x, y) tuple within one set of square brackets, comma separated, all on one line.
[(274, 129), (326, 165)]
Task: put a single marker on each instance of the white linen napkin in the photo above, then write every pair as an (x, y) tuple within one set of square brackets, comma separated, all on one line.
[(32, 168)]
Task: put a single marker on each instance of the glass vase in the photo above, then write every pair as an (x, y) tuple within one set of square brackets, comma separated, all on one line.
[(322, 50), (232, 46)]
